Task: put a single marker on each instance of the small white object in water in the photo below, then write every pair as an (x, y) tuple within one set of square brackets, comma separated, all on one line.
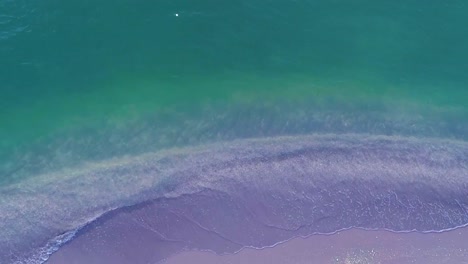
[(176, 15)]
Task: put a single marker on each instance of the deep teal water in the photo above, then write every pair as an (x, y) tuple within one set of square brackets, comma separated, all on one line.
[(77, 74)]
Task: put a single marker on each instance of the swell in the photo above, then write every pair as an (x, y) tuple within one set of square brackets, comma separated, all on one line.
[(227, 196)]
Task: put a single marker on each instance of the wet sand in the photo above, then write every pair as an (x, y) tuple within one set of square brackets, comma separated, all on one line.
[(224, 197), (349, 247)]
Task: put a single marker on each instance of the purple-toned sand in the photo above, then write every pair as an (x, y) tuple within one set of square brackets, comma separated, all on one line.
[(349, 247), (227, 197)]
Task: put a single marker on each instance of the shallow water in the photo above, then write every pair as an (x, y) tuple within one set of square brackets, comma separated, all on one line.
[(227, 196)]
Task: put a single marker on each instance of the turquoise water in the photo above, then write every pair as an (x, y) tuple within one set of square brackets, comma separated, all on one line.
[(108, 104), (87, 80)]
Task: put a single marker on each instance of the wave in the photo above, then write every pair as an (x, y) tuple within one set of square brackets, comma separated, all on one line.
[(226, 196)]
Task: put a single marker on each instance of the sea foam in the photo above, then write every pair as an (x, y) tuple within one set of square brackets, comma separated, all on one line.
[(244, 193)]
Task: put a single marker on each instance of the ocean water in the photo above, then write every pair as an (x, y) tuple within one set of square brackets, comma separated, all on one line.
[(87, 85), (81, 63)]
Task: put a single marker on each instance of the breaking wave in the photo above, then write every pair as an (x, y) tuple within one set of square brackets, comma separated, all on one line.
[(243, 193)]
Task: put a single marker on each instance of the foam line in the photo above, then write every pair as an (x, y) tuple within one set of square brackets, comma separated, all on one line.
[(225, 196)]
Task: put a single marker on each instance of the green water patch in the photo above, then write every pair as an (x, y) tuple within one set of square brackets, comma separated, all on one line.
[(131, 98), (131, 116)]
